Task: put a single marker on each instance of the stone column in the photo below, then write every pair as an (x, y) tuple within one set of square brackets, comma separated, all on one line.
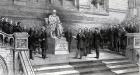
[(138, 12), (15, 62), (75, 3), (51, 1), (138, 18), (98, 4)]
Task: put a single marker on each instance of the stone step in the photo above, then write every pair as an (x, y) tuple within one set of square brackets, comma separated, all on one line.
[(72, 62), (100, 73), (116, 67), (115, 59), (126, 71), (132, 73), (121, 67), (60, 52), (73, 68), (75, 71), (116, 62), (125, 66), (69, 66)]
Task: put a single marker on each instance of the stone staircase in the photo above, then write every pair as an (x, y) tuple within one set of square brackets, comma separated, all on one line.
[(122, 66), (73, 68), (7, 54), (118, 66)]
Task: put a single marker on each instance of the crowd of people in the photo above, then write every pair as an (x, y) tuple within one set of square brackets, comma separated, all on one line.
[(37, 38), (9, 27), (113, 38)]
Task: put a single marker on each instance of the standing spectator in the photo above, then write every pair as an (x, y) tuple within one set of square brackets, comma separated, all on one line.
[(97, 41), (18, 28), (90, 40), (123, 40), (11, 27), (80, 43), (87, 42), (31, 43), (68, 35), (44, 44)]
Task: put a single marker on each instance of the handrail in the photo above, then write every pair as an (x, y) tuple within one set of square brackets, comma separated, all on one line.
[(1, 58), (23, 63), (32, 70), (1, 32), (26, 64)]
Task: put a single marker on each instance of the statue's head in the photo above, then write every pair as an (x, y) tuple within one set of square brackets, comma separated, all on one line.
[(54, 12)]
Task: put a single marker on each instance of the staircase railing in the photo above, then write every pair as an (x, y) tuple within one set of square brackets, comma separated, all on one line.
[(3, 35), (4, 65), (26, 64)]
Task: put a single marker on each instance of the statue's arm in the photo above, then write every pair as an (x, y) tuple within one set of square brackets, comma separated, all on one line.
[(58, 19)]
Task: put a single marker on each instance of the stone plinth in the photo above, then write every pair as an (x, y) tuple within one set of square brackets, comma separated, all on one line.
[(133, 47), (57, 46)]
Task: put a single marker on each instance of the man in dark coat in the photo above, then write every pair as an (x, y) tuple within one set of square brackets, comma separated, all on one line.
[(11, 27), (117, 35), (44, 43), (90, 40), (80, 43), (110, 34), (97, 41), (6, 26), (4, 22), (123, 40), (31, 43), (68, 35), (17, 27), (87, 41), (1, 25)]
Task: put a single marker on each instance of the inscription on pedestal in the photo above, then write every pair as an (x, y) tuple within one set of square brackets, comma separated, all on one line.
[(57, 46), (61, 46)]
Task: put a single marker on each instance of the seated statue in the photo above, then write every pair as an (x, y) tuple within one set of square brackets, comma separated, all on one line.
[(55, 26)]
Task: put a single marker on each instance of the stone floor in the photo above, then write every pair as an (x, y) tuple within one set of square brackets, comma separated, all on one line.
[(70, 57), (109, 63)]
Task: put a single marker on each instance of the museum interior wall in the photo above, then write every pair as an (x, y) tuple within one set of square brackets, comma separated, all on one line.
[(83, 14)]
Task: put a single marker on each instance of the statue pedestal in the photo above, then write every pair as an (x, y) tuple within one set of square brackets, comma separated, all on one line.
[(57, 46), (133, 47)]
